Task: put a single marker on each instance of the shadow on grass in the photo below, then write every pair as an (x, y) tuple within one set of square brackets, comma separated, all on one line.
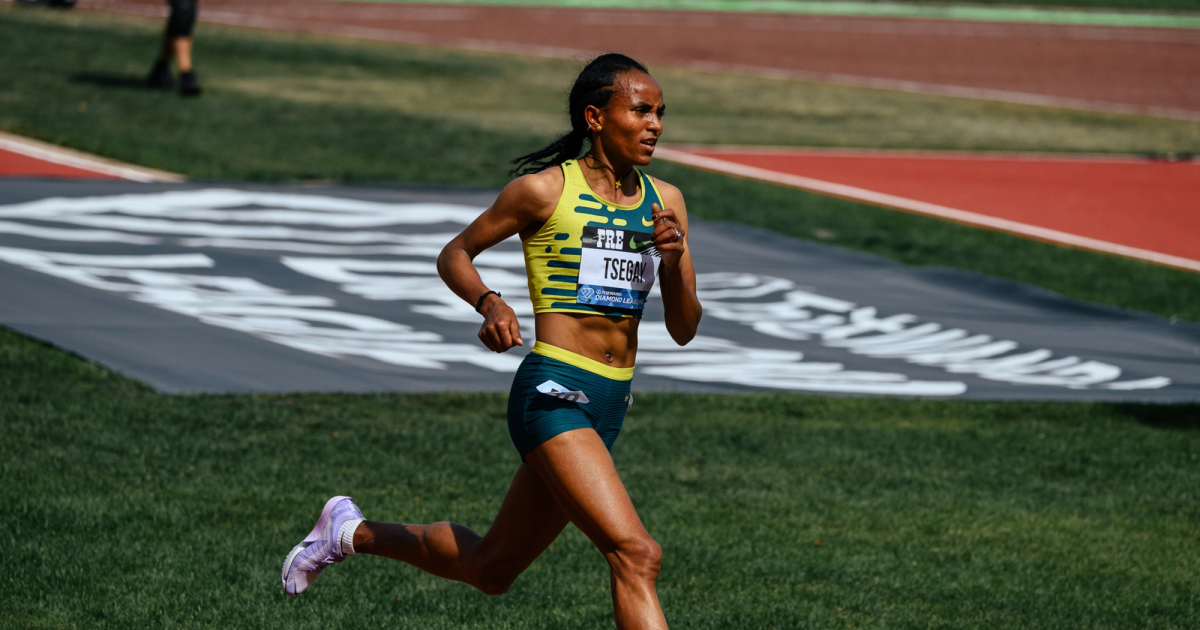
[(1185, 417), (55, 4), (111, 80)]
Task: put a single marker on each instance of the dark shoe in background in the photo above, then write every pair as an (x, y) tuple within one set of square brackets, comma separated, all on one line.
[(188, 86), (160, 77)]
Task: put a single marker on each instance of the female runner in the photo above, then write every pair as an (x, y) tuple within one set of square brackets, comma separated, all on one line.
[(595, 232)]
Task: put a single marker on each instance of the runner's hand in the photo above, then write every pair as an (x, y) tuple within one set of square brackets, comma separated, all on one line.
[(500, 330), (669, 237)]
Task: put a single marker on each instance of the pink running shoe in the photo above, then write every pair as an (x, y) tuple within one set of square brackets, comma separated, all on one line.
[(321, 548)]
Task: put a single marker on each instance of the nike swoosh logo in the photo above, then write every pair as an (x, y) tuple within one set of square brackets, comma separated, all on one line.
[(646, 223), (634, 244)]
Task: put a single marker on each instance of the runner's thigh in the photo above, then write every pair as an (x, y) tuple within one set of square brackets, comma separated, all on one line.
[(529, 520), (579, 472)]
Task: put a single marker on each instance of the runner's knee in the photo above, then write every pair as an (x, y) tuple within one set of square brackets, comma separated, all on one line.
[(638, 558), (492, 578)]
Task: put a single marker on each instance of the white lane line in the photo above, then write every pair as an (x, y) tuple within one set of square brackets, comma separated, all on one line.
[(931, 154), (75, 159), (921, 207)]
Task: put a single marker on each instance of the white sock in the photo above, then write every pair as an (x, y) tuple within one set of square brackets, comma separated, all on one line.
[(346, 536)]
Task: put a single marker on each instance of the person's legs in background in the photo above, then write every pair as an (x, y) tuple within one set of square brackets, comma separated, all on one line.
[(177, 45)]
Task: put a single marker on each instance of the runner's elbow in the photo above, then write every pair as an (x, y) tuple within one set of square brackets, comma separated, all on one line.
[(447, 259), (683, 338), (683, 332)]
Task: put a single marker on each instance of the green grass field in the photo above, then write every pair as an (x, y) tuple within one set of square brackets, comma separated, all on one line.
[(128, 509), (290, 108)]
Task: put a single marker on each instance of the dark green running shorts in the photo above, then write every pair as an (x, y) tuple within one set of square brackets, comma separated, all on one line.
[(534, 417)]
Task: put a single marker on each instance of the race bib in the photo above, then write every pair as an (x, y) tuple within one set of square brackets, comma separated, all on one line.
[(616, 268)]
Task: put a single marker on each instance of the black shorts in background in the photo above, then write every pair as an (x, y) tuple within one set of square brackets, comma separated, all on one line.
[(183, 18)]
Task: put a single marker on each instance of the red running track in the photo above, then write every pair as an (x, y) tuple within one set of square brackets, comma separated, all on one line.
[(1139, 208), (1122, 69), (1126, 202), (17, 165), (24, 157)]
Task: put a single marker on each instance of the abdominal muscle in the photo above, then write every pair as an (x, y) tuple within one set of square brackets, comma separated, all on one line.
[(609, 340)]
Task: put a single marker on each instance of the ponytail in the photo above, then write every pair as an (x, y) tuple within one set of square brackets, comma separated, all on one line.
[(593, 86), (567, 147)]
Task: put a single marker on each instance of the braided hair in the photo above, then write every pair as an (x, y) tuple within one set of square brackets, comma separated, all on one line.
[(593, 86)]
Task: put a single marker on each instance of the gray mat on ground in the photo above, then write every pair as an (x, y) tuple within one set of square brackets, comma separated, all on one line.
[(214, 288)]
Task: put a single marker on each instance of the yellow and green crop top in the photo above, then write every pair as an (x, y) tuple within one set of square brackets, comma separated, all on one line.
[(592, 256)]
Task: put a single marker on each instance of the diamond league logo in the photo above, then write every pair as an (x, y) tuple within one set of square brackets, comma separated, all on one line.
[(587, 293)]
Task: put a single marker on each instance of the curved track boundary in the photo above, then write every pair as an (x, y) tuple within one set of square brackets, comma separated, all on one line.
[(75, 163), (855, 193)]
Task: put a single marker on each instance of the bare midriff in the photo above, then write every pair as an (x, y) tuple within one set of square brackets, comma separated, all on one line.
[(609, 340)]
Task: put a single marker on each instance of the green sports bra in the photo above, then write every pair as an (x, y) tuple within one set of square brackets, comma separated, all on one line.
[(593, 256)]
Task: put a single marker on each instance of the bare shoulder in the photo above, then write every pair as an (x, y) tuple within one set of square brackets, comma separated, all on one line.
[(535, 194), (671, 195)]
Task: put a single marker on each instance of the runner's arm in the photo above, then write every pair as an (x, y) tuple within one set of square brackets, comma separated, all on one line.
[(522, 202), (677, 277)]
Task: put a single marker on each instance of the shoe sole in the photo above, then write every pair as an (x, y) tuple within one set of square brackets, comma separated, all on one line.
[(311, 538)]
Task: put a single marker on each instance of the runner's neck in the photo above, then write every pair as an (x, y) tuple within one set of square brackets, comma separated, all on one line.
[(602, 179)]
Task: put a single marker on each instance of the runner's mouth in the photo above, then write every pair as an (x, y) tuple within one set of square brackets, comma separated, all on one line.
[(649, 143)]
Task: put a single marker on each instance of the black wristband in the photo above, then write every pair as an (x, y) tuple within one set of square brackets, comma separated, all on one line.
[(479, 302)]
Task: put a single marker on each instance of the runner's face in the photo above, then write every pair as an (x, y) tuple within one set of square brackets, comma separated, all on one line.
[(633, 119)]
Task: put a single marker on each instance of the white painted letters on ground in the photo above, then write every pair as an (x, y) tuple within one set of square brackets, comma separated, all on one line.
[(387, 251)]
